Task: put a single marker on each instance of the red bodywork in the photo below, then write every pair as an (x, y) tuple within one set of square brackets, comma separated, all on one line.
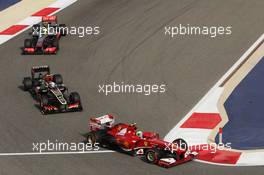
[(125, 135), (126, 138), (38, 49), (48, 50)]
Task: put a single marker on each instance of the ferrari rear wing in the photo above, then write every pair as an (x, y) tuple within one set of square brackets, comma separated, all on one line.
[(105, 121)]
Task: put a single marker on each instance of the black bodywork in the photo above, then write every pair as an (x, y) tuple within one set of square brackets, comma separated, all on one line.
[(51, 99)]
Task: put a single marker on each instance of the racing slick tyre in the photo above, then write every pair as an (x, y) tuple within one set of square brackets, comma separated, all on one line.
[(182, 144), (91, 139), (74, 98), (62, 29), (152, 156), (27, 82), (57, 78), (27, 43)]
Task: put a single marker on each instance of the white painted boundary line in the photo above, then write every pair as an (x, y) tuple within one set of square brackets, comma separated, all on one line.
[(212, 163), (231, 165), (54, 153), (61, 4), (245, 159), (173, 132)]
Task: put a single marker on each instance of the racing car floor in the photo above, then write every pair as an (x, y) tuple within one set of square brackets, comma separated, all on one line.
[(131, 48)]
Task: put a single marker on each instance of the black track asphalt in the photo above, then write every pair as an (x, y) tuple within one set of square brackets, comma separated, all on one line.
[(132, 48)]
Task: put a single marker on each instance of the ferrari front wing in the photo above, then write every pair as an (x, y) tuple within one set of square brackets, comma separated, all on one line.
[(170, 162)]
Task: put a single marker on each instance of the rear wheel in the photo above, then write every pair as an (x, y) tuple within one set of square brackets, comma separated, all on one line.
[(151, 156), (27, 43), (91, 139), (27, 82), (57, 78)]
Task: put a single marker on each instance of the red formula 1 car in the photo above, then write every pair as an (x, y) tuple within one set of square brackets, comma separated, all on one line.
[(45, 37), (148, 145)]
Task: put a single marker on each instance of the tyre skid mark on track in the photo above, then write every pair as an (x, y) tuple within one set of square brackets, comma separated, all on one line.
[(182, 11)]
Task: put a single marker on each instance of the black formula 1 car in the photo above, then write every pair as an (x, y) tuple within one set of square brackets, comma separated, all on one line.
[(48, 89), (45, 37)]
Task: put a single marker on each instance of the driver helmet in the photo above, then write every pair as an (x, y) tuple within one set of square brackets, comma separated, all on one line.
[(133, 125), (45, 28), (52, 85), (45, 24), (139, 134)]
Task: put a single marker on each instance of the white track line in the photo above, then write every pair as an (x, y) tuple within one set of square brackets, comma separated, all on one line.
[(55, 153), (29, 21), (245, 159), (173, 132)]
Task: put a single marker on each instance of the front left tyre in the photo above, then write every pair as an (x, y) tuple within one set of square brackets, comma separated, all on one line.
[(91, 139), (152, 156), (74, 98), (27, 43)]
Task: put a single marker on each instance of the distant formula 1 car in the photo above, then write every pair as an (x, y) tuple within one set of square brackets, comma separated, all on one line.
[(48, 89), (130, 140), (45, 37)]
